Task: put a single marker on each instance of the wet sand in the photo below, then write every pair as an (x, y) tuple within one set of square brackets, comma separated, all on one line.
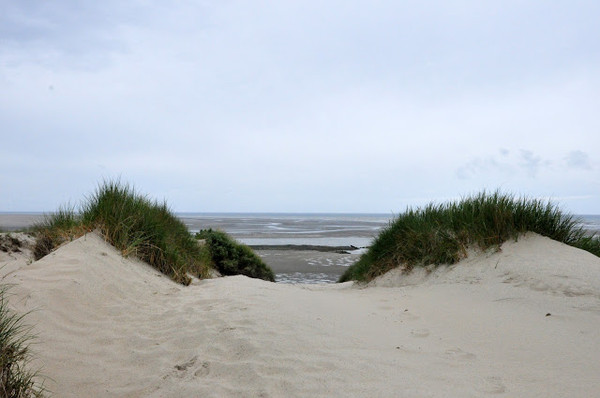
[(307, 266), (18, 221)]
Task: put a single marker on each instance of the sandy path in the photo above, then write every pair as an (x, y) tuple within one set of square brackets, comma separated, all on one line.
[(113, 327)]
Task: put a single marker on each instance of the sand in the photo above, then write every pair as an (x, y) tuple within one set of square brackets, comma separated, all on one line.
[(521, 322)]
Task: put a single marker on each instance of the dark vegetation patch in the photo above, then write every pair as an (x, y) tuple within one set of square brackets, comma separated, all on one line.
[(442, 233), (232, 258)]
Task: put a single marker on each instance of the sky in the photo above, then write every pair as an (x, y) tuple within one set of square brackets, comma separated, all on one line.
[(299, 106)]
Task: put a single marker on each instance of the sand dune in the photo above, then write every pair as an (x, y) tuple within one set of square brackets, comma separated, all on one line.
[(114, 327)]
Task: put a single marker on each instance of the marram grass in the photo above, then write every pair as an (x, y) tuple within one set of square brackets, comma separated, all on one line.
[(16, 379), (61, 226), (133, 224), (442, 233)]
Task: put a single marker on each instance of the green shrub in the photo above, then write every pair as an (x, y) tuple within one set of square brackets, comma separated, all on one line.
[(441, 233), (232, 258), (16, 381)]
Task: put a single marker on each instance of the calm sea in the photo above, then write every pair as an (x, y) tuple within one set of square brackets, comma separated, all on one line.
[(293, 229), (591, 222)]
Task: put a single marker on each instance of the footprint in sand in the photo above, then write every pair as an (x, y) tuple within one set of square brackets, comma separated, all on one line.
[(184, 366), (407, 315), (203, 370), (181, 370), (420, 332), (491, 385), (459, 355), (184, 369)]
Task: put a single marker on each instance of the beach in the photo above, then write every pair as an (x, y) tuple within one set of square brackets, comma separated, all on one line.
[(523, 321), (294, 199)]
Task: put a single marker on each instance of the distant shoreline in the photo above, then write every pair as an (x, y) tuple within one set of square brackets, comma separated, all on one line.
[(16, 221), (318, 248)]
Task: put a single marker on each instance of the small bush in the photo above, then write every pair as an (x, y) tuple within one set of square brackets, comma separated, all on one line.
[(441, 233), (16, 381), (232, 258)]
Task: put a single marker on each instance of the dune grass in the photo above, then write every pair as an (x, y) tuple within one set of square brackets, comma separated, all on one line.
[(133, 224), (16, 380), (442, 233), (590, 244), (147, 229), (56, 228), (232, 258)]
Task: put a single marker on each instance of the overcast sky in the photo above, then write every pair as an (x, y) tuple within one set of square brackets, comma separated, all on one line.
[(299, 106)]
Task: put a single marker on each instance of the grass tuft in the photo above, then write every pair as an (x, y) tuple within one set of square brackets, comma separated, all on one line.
[(232, 258), (16, 380), (133, 224), (146, 229), (590, 244), (441, 233), (55, 229)]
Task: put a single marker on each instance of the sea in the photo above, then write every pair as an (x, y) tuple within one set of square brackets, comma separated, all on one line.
[(292, 229), (300, 247)]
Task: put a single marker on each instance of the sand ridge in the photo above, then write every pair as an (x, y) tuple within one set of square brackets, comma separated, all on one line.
[(114, 327)]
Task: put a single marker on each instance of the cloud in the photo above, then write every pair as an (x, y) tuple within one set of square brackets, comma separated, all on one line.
[(529, 162), (523, 162), (480, 166), (327, 101), (59, 35), (578, 160), (490, 165)]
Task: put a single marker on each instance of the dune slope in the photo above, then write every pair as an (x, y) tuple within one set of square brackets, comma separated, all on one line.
[(115, 327)]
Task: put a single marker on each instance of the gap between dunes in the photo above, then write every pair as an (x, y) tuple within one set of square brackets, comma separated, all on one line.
[(524, 321)]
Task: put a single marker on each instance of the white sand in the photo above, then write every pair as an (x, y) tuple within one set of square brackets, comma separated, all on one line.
[(113, 327)]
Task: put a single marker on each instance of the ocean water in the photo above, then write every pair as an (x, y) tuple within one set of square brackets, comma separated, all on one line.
[(294, 229), (591, 222), (353, 232)]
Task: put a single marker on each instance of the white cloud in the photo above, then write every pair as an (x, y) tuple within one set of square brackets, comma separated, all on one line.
[(530, 162)]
